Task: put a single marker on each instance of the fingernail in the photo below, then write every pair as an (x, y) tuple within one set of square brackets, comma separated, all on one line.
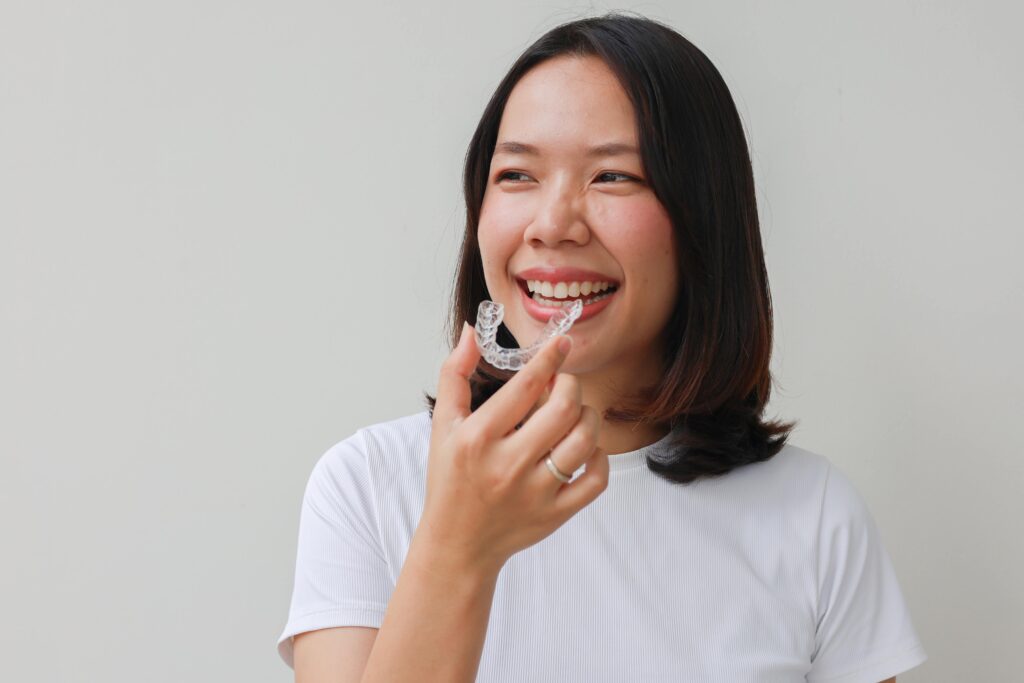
[(565, 344), (466, 327)]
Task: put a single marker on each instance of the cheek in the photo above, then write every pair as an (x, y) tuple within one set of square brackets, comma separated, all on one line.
[(496, 247), (501, 226), (645, 248), (643, 240), (503, 220)]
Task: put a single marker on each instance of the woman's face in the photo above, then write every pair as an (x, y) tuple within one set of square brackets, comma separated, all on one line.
[(553, 205)]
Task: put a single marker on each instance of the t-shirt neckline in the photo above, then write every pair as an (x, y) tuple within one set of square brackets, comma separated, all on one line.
[(633, 459)]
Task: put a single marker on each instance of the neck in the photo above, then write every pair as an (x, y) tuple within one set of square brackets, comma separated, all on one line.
[(604, 389), (620, 437)]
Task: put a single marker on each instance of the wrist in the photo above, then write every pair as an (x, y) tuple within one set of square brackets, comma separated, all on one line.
[(448, 564)]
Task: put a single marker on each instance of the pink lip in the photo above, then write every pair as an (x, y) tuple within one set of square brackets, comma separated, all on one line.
[(542, 313), (565, 274)]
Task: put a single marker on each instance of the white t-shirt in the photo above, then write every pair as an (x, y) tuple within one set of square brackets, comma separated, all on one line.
[(774, 572)]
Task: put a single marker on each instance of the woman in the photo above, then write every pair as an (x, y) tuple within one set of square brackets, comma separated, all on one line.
[(693, 543)]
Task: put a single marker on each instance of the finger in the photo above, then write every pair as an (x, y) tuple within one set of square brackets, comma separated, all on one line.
[(454, 395), (583, 490), (509, 405), (545, 395), (576, 448), (550, 423)]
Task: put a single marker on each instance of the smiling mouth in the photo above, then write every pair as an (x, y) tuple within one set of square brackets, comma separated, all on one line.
[(567, 299)]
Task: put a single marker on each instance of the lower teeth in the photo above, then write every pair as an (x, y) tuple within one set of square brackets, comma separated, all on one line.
[(556, 303)]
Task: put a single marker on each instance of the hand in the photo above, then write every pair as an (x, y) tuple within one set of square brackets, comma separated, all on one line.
[(489, 493)]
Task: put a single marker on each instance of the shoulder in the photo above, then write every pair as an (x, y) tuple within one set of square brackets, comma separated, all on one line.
[(811, 476), (842, 505), (369, 463), (799, 473), (793, 466), (793, 479), (379, 450), (798, 489), (400, 435)]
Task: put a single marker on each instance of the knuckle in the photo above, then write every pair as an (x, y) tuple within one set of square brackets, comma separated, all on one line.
[(584, 439), (598, 484), (471, 439), (450, 368), (496, 481), (530, 382), (589, 421), (564, 406)]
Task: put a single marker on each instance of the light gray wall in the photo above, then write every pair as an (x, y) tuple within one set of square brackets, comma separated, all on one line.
[(227, 234)]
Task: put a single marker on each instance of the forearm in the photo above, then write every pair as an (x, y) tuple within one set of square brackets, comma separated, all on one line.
[(436, 621)]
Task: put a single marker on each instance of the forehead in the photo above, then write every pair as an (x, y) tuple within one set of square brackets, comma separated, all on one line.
[(567, 104)]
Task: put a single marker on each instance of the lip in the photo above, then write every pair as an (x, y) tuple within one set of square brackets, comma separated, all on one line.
[(564, 274), (542, 313)]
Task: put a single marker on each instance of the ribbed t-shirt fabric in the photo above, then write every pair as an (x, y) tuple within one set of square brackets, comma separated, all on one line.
[(772, 573)]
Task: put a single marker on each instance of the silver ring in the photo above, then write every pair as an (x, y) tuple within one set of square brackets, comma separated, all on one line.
[(558, 474)]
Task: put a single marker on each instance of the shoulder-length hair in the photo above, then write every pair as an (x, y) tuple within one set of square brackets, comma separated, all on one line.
[(716, 378)]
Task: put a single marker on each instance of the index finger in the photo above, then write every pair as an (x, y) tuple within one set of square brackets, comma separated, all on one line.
[(454, 395), (509, 405)]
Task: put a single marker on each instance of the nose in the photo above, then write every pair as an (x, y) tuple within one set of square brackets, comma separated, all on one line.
[(558, 219)]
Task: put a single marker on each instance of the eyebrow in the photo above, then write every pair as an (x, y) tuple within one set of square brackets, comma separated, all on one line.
[(608, 149)]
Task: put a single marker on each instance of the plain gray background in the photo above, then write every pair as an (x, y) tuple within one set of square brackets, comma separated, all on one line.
[(228, 237)]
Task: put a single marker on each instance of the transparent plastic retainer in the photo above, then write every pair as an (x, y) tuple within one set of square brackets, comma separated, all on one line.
[(489, 316)]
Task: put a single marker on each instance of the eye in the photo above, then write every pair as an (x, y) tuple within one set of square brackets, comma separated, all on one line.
[(613, 173), (508, 175), (503, 176)]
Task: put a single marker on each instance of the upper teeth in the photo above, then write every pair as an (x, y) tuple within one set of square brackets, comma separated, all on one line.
[(561, 290)]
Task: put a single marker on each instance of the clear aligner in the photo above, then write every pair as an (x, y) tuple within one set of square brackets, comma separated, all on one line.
[(489, 316)]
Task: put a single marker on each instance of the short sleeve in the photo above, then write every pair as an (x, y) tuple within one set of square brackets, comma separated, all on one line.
[(864, 631), (341, 573)]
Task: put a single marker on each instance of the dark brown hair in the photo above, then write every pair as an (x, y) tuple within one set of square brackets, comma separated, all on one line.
[(716, 378)]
